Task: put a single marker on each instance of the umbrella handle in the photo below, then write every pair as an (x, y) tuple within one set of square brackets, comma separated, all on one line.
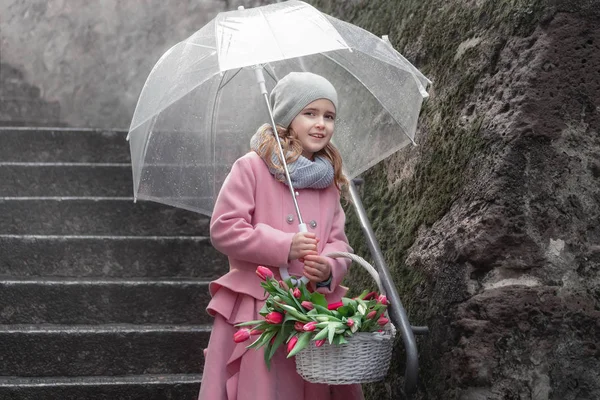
[(283, 271)]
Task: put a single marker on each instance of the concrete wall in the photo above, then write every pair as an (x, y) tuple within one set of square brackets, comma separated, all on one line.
[(93, 56)]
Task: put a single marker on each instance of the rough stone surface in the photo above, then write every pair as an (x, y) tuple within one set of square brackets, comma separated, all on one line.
[(108, 350), (93, 57), (20, 102), (99, 257), (490, 226), (98, 217), (93, 301), (154, 387)]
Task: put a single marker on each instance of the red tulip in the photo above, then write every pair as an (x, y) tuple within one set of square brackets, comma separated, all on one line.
[(274, 318), (299, 326), (372, 314), (307, 304), (241, 336), (383, 300), (310, 326), (264, 273), (370, 296), (292, 343), (382, 320), (296, 293), (256, 332), (319, 343), (350, 322), (334, 306)]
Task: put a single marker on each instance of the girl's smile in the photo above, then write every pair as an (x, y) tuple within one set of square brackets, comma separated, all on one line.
[(314, 126)]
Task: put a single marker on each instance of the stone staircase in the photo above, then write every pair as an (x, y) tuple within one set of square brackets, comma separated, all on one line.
[(21, 103), (100, 297)]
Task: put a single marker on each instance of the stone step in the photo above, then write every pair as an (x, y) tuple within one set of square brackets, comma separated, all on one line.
[(17, 89), (140, 387), (103, 301), (93, 179), (110, 256), (97, 216), (69, 180), (101, 350), (74, 145), (8, 72), (32, 111), (63, 145)]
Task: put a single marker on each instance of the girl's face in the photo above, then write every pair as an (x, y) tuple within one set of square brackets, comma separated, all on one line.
[(314, 126)]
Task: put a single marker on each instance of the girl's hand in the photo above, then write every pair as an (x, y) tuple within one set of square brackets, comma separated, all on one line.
[(303, 243), (316, 268)]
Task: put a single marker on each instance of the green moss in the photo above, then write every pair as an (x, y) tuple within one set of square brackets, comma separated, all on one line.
[(429, 33)]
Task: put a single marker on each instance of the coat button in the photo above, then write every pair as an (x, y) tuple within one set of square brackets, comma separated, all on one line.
[(313, 224), (289, 218)]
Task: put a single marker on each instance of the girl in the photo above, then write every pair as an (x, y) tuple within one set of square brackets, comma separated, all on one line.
[(254, 223)]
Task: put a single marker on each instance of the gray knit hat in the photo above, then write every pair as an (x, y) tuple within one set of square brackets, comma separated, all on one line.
[(295, 91)]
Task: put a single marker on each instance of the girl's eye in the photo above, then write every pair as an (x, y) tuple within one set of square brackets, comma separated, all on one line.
[(331, 117), (309, 113)]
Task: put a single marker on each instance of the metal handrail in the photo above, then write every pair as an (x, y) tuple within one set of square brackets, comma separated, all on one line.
[(396, 311)]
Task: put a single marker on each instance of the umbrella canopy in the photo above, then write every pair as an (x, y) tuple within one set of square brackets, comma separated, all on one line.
[(200, 104)]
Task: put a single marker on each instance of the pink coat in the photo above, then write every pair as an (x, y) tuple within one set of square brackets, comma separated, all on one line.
[(251, 225), (254, 221)]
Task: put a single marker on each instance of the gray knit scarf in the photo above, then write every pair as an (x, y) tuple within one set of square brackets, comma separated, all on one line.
[(304, 173)]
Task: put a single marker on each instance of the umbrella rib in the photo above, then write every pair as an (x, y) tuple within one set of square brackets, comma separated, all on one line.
[(212, 124), (164, 107), (199, 45), (404, 130), (222, 85), (269, 73), (271, 29)]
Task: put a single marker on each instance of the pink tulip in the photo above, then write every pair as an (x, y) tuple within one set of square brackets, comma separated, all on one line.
[(274, 318), (372, 314), (283, 285), (350, 322), (292, 343), (383, 300), (307, 304), (370, 296), (296, 293), (299, 326), (310, 326), (382, 321), (256, 332), (241, 336), (334, 306), (319, 343), (264, 273)]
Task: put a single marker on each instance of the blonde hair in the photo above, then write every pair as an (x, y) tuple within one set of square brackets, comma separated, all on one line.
[(292, 148)]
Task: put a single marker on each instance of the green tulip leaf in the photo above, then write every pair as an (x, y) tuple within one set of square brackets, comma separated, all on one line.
[(318, 298), (322, 334), (303, 341), (331, 329)]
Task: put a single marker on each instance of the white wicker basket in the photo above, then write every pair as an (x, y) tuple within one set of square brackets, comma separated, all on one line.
[(365, 358)]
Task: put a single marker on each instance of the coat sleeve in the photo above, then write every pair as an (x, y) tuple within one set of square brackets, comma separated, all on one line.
[(337, 241), (231, 229)]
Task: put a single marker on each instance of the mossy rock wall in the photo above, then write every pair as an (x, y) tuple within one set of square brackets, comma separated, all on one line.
[(491, 225)]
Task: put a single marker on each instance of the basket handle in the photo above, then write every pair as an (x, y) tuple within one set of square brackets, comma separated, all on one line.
[(370, 269)]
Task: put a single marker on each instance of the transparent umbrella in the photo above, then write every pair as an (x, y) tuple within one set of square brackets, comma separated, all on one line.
[(201, 103)]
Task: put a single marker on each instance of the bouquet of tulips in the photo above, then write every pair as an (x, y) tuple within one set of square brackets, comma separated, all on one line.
[(296, 316)]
